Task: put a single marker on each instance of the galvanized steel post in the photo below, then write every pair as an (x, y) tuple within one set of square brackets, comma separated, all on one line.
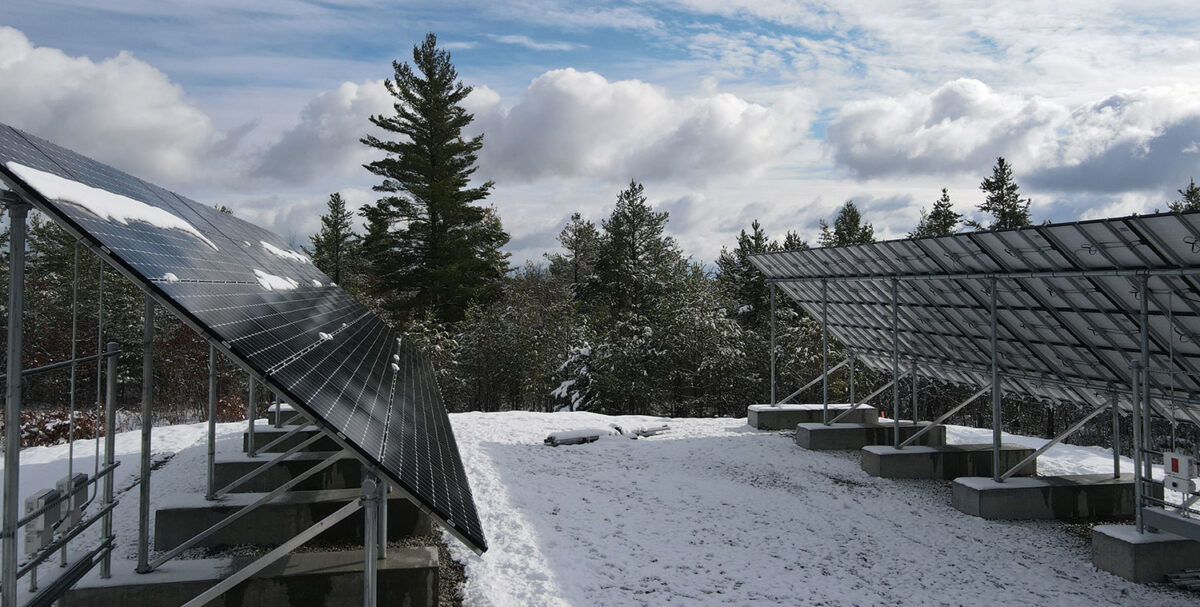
[(773, 401), (824, 350), (143, 547), (1144, 338), (18, 210), (1135, 391), (251, 415), (211, 493), (996, 416), (912, 376), (370, 490), (896, 361), (1116, 435), (110, 445)]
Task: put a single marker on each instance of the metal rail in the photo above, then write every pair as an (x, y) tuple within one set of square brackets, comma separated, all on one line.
[(267, 466), (63, 364), (1054, 441), (945, 416), (864, 401), (812, 383)]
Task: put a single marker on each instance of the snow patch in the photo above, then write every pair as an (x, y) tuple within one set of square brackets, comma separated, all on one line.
[(102, 203), (278, 252), (317, 283), (272, 282), (324, 336), (170, 278)]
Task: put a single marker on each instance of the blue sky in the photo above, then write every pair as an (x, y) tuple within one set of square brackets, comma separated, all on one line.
[(726, 110)]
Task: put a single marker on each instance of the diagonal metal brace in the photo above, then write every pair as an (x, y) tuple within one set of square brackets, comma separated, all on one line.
[(945, 416), (286, 435), (263, 468), (866, 399), (1054, 441), (812, 383)]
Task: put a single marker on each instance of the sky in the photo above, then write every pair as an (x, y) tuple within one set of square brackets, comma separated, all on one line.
[(726, 110)]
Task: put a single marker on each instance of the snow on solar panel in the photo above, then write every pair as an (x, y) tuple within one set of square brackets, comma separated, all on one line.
[(270, 309)]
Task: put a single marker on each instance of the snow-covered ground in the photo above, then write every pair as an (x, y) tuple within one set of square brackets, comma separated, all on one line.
[(712, 513), (717, 513)]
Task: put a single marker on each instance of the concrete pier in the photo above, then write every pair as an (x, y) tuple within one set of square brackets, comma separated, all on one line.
[(1074, 497), (1142, 557), (942, 462), (839, 436), (786, 417), (273, 523), (408, 576)]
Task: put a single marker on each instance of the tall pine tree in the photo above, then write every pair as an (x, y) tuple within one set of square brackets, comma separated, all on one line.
[(635, 259), (580, 241), (1189, 198), (436, 248), (848, 228), (335, 247), (1003, 202), (941, 220)]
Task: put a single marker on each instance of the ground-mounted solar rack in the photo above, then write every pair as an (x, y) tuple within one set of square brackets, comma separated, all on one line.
[(263, 306), (1105, 312)]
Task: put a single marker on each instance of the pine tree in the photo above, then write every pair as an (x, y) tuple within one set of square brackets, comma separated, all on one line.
[(441, 247), (1189, 198), (335, 247), (1003, 203), (576, 265), (741, 281), (793, 242), (848, 228), (636, 260), (942, 220)]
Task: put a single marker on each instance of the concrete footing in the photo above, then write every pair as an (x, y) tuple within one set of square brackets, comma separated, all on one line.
[(265, 433), (786, 417), (278, 521), (944, 462), (1074, 497), (343, 474), (408, 576), (1142, 557), (819, 437), (287, 414)]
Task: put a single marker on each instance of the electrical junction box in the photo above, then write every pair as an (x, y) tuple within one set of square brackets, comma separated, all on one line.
[(40, 531), (1179, 469), (71, 509)]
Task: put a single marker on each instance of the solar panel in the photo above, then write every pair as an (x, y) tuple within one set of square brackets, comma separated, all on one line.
[(270, 309), (1068, 299)]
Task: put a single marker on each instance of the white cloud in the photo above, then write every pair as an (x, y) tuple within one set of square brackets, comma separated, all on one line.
[(120, 110), (530, 43), (579, 124)]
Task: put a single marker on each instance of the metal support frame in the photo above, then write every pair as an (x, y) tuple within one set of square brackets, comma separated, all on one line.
[(862, 402), (284, 549), (286, 435), (252, 417), (110, 444), (825, 348), (278, 410), (143, 547), (1054, 441), (912, 376), (267, 466), (896, 362), (18, 211), (1135, 376), (1116, 434), (943, 417), (997, 421), (384, 490), (773, 401), (210, 488), (1144, 339), (371, 501)]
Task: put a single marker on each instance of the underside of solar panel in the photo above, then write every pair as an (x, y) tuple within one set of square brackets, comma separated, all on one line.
[(270, 309), (1069, 301)]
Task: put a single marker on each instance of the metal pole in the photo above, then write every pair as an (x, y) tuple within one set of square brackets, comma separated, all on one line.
[(996, 420), (110, 445), (278, 413), (383, 518), (1116, 435), (1134, 376), (18, 210), (370, 489), (773, 401), (912, 376), (852, 358), (824, 351), (210, 494), (71, 392), (1144, 309), (896, 361), (251, 415), (143, 547)]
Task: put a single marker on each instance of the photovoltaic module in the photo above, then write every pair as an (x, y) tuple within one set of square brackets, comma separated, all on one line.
[(270, 309)]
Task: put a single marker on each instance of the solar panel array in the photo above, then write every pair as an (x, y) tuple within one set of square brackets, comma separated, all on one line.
[(1068, 304), (271, 309)]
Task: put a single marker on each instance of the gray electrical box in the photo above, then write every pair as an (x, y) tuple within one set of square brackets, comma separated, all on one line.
[(71, 509), (40, 531)]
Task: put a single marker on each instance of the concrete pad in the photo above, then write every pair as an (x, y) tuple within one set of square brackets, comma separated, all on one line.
[(265, 433), (343, 474), (839, 436), (945, 462), (181, 517), (786, 417), (1142, 557), (1073, 497), (408, 576), (289, 415)]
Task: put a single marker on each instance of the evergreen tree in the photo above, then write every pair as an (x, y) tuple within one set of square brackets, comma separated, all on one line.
[(942, 220), (335, 247), (636, 260), (1189, 199), (441, 248), (741, 281), (580, 241), (793, 242), (1003, 203), (848, 228)]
